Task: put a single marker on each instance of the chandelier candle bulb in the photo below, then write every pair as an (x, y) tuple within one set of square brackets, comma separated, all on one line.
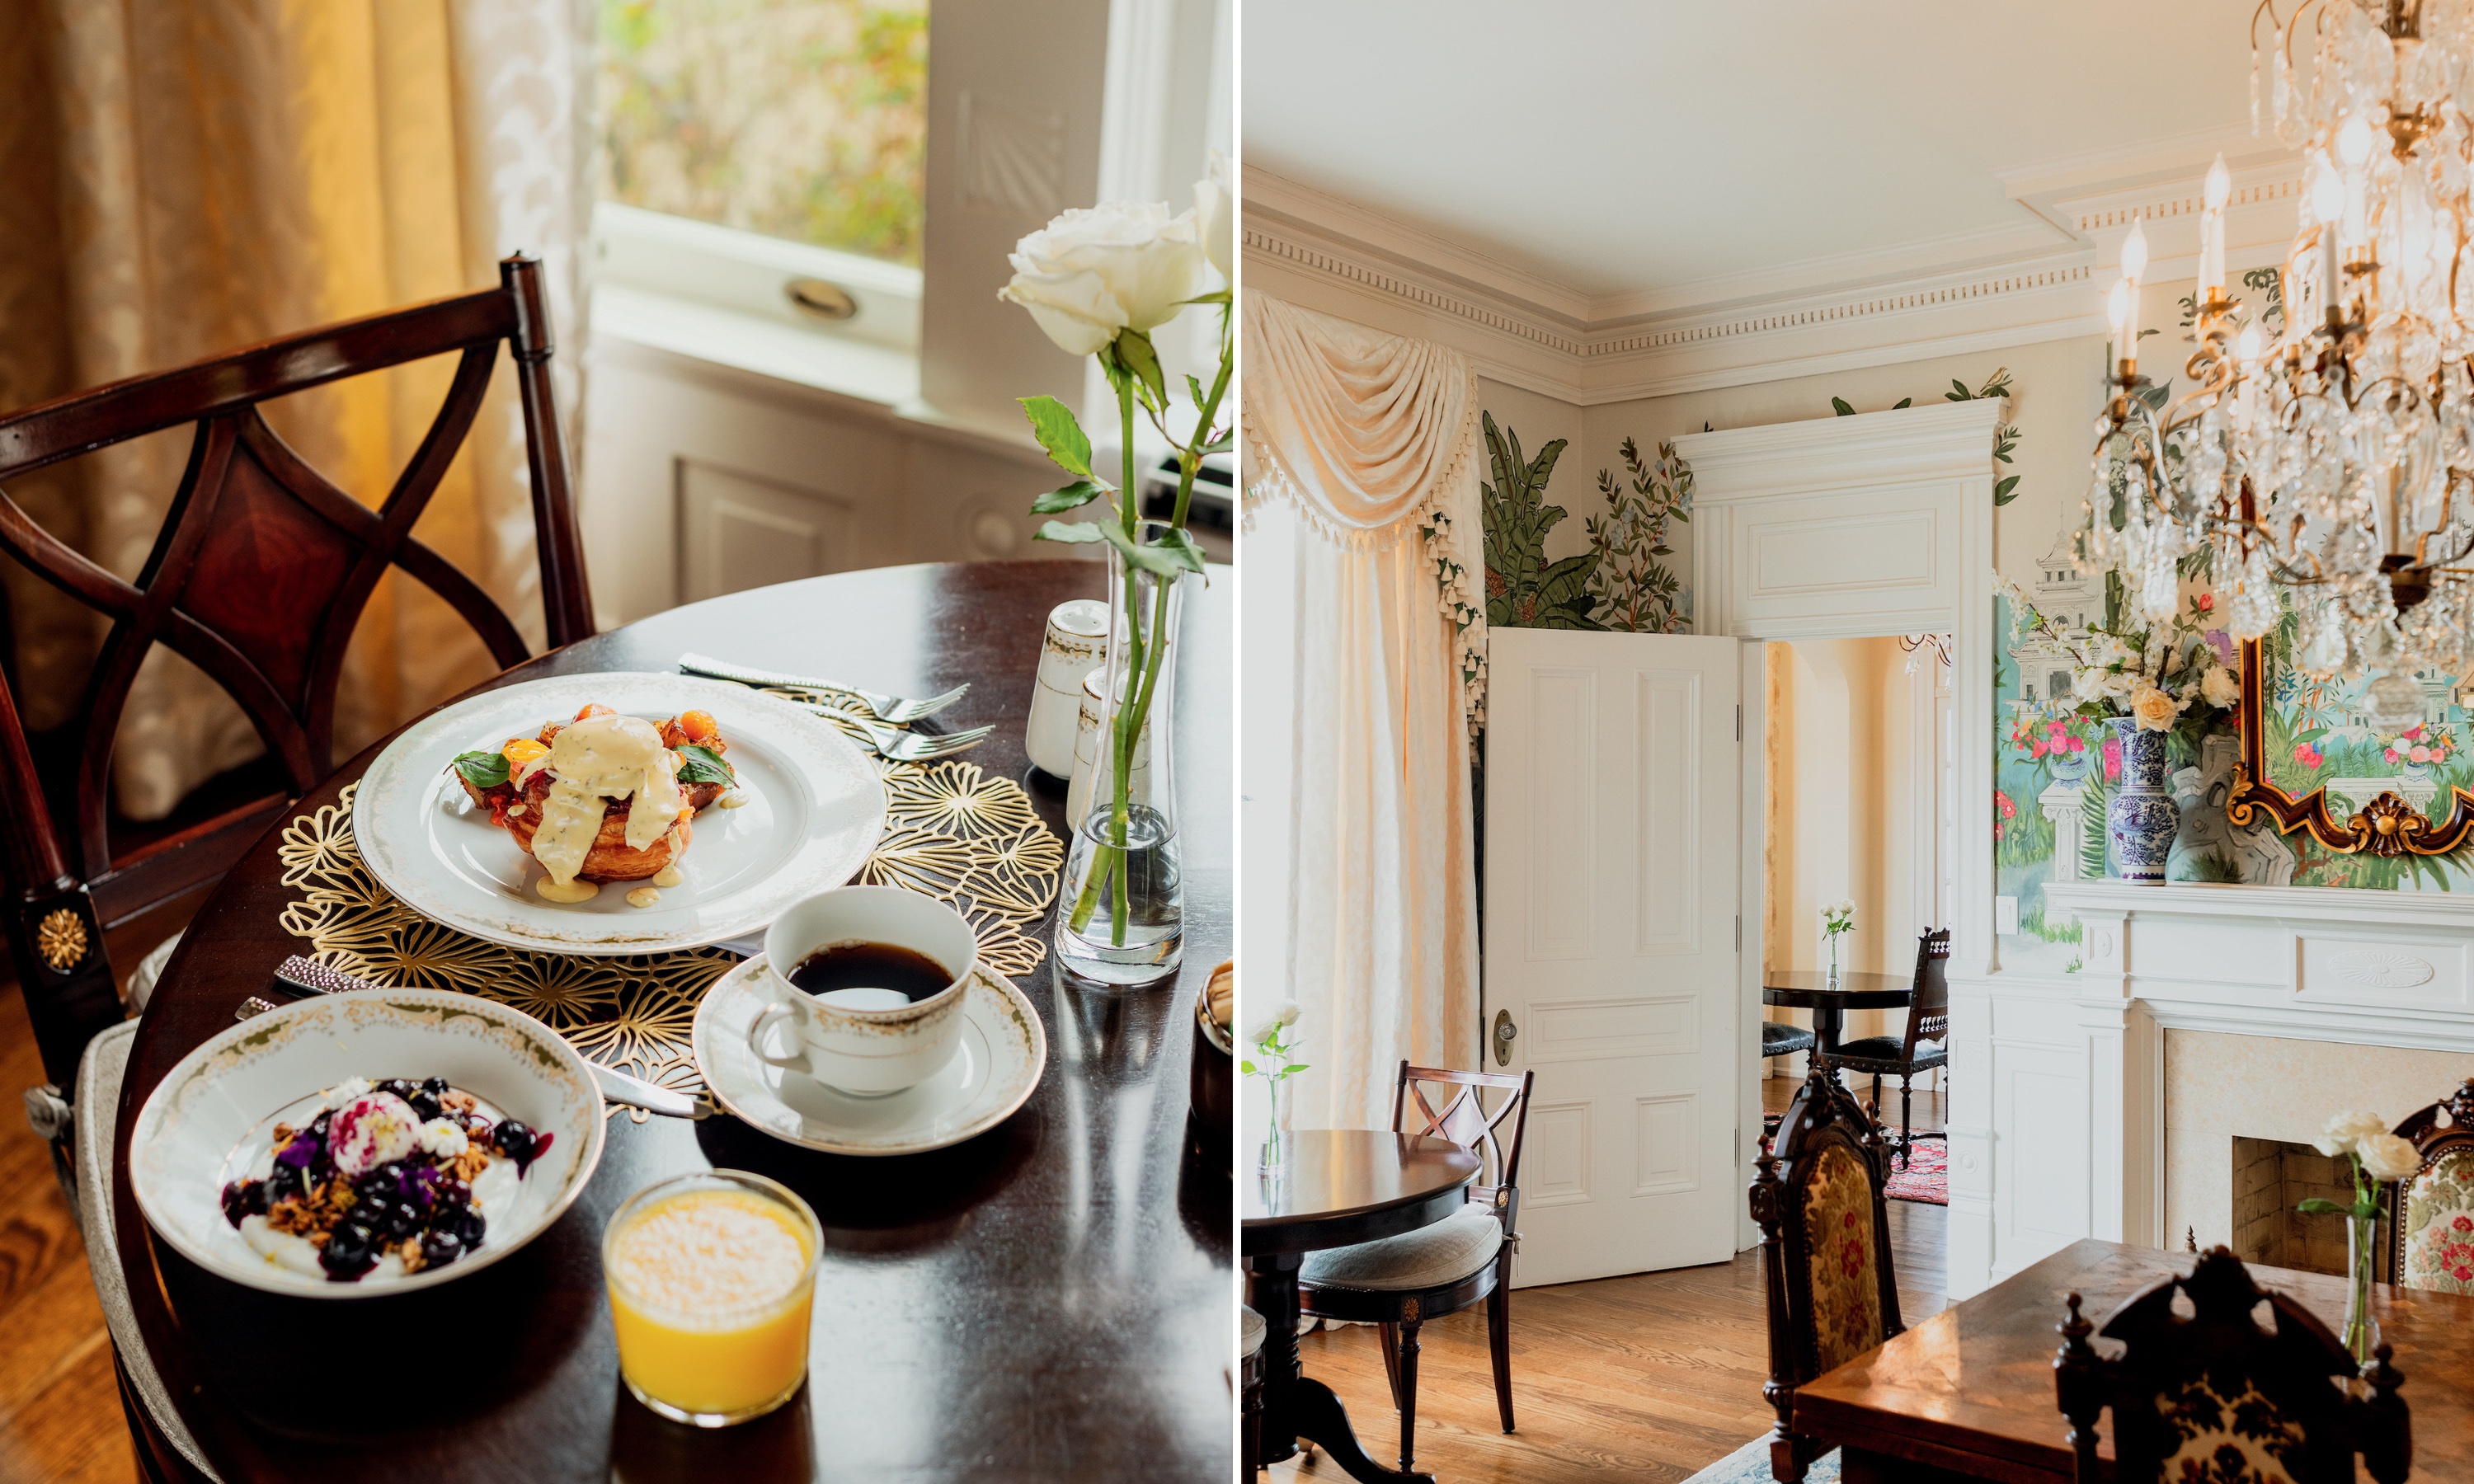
[(2134, 264), (2212, 231), (2117, 310)]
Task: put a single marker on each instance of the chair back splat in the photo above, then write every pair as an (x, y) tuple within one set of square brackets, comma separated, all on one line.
[(1465, 1121), (2212, 1394), (1929, 1012), (2427, 1219), (1819, 1196), (259, 577)]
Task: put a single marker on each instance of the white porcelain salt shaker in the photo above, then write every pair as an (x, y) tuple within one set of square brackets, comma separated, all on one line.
[(1077, 638)]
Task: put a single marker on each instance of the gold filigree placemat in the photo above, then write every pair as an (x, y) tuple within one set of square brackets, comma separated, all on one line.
[(951, 832)]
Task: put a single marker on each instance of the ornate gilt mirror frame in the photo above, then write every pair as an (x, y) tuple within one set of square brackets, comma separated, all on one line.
[(2389, 825)]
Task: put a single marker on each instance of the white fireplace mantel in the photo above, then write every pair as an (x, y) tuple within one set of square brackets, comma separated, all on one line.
[(2069, 1069), (2315, 963)]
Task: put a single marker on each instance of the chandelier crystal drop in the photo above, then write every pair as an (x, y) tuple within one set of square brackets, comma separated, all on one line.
[(2332, 463)]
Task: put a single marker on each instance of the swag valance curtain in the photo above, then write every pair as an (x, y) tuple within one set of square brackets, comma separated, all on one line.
[(1361, 475)]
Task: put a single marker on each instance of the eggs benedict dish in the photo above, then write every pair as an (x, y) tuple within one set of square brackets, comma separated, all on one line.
[(602, 798)]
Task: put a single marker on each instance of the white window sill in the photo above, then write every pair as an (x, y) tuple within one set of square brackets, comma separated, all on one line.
[(850, 367)]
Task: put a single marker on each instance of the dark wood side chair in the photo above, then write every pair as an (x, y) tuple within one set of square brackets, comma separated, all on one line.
[(1818, 1196), (259, 577), (1778, 1039), (1924, 1047), (2427, 1219), (1401, 1282), (2217, 1397)]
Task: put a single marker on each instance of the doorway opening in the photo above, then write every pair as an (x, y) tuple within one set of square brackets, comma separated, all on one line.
[(1859, 808)]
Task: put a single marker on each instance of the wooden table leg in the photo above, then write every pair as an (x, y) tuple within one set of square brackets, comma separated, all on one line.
[(1295, 1405)]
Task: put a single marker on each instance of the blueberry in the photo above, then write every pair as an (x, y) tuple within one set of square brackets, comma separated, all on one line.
[(441, 1247), (511, 1135), (285, 1182), (343, 1263), (397, 1086), (435, 1087), (454, 1195), (425, 1106), (471, 1227), (244, 1198), (318, 1125)]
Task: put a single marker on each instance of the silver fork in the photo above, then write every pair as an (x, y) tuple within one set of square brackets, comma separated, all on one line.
[(897, 744), (892, 708)]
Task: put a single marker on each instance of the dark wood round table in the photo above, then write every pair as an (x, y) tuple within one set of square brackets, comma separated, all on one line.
[(1340, 1187), (1048, 1301), (1809, 989)]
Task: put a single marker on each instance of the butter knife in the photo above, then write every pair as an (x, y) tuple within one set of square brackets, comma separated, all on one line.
[(307, 976)]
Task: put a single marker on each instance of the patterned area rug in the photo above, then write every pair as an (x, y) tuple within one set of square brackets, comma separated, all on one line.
[(1751, 1465), (1925, 1180)]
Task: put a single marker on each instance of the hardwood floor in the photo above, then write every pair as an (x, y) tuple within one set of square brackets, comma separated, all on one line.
[(1649, 1377), (60, 1408)]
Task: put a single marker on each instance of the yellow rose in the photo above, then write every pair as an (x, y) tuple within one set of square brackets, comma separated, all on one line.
[(2154, 710)]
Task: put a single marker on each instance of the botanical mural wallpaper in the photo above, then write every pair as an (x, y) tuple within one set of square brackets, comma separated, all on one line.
[(1620, 582), (2054, 778)]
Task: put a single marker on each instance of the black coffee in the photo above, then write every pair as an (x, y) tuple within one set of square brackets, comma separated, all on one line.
[(870, 965)]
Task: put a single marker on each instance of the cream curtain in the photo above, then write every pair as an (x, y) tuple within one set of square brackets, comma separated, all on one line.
[(186, 177), (1362, 458)]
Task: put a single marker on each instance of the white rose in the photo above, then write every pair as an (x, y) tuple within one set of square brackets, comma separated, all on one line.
[(1283, 1013), (2386, 1157), (2344, 1132), (1215, 217), (2221, 688), (1119, 266)]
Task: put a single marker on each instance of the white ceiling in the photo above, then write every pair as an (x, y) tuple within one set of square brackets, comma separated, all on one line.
[(1630, 149)]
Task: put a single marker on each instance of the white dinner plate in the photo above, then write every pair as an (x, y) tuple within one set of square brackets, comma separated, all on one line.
[(815, 807), (997, 1061), (212, 1114)]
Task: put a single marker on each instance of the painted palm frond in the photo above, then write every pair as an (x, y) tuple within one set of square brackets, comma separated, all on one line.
[(1524, 589)]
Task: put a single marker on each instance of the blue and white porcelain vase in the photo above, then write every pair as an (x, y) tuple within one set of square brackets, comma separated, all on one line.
[(2141, 818)]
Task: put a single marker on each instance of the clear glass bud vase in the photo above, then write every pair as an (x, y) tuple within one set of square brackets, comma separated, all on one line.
[(2360, 1334), (1121, 908)]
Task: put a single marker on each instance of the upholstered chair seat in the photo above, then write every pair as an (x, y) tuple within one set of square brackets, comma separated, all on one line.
[(1778, 1039), (1429, 1257), (1886, 1051), (1925, 1044)]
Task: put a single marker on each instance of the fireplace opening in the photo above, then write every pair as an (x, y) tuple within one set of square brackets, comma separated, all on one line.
[(2270, 1178)]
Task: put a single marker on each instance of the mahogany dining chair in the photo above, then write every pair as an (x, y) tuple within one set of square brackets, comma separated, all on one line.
[(257, 577)]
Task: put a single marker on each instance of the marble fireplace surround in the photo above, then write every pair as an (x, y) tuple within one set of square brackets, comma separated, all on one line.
[(2104, 1102)]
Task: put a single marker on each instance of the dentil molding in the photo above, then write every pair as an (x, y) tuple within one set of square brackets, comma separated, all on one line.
[(2040, 282)]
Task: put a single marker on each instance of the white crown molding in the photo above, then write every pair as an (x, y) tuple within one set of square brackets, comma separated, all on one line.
[(1949, 296)]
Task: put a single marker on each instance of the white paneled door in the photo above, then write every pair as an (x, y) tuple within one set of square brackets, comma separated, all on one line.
[(1612, 846)]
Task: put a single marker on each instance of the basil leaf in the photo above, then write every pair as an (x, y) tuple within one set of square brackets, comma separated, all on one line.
[(482, 770), (700, 764)]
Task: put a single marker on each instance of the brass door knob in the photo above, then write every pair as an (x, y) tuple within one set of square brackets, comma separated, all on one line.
[(1505, 1032)]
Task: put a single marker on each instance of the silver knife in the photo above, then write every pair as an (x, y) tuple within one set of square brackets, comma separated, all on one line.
[(307, 976)]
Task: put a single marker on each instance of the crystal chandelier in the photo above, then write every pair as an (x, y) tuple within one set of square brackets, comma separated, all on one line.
[(2334, 462)]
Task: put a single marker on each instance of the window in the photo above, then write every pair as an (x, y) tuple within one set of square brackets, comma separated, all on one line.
[(799, 119)]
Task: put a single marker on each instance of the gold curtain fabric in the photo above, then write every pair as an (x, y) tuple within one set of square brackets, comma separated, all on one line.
[(184, 176)]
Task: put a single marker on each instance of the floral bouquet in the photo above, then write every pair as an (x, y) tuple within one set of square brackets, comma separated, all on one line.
[(2374, 1154), (2420, 743), (2172, 674), (1274, 1061)]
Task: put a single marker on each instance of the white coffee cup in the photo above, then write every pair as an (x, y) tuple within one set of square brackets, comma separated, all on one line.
[(863, 1041)]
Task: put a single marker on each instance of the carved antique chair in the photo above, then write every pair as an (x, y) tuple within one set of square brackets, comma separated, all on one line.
[(1832, 1294), (2427, 1220), (1250, 1333), (1903, 1056), (1399, 1283), (2214, 1396), (258, 575)]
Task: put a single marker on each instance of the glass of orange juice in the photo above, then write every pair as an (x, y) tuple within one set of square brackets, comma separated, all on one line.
[(712, 1276)]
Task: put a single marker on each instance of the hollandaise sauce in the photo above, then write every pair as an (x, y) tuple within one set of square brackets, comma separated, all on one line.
[(592, 760)]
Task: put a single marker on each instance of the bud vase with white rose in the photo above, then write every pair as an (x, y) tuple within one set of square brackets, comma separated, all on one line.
[(1837, 921), (2149, 683), (1098, 282), (1274, 1061), (2375, 1154)]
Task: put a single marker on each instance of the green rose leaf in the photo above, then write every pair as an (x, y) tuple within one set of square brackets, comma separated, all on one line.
[(1076, 533), (1135, 350), (1175, 553), (700, 765), (1838, 405), (2006, 490), (2315, 1207), (482, 770), (1081, 491), (1052, 423)]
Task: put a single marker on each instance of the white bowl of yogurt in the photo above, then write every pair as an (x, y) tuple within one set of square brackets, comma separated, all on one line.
[(210, 1123)]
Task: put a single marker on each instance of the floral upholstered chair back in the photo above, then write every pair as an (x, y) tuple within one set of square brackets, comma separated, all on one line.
[(2214, 1395), (1825, 1245), (2431, 1213)]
